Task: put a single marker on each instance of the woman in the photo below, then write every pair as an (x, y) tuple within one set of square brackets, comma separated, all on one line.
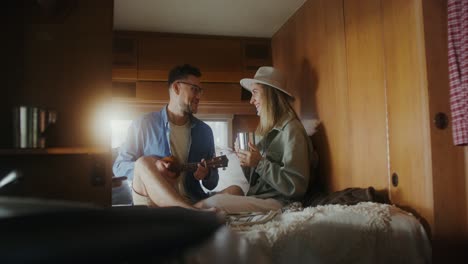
[(278, 168)]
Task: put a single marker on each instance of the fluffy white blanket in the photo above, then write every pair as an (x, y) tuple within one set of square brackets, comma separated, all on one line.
[(362, 233)]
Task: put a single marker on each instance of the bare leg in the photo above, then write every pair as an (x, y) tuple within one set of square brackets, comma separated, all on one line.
[(148, 181), (233, 190), (235, 204)]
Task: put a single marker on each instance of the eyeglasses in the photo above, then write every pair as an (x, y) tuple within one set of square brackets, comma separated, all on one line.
[(195, 88)]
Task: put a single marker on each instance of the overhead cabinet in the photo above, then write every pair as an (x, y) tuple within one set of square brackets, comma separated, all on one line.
[(144, 56), (124, 58), (220, 60)]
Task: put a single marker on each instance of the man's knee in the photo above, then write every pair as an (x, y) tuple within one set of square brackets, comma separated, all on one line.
[(145, 167), (144, 161)]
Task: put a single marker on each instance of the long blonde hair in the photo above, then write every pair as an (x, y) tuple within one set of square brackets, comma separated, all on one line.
[(275, 108)]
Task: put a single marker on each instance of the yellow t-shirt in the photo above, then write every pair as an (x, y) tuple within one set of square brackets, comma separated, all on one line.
[(180, 139)]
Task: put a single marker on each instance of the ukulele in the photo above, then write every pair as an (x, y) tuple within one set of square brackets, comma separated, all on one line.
[(175, 166)]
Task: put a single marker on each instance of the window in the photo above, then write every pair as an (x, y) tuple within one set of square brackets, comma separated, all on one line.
[(119, 130), (221, 132), (220, 124)]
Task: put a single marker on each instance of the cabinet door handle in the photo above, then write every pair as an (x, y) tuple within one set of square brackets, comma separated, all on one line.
[(395, 179), (98, 172), (441, 120)]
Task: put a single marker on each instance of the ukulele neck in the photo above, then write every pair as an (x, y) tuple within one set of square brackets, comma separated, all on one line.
[(189, 167)]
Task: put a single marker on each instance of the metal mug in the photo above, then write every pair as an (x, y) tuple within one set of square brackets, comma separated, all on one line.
[(243, 139)]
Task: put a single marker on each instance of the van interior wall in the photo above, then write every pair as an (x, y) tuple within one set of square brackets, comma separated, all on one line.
[(376, 97), (351, 139)]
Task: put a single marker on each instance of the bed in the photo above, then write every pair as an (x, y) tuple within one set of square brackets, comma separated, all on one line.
[(34, 231), (363, 233), (350, 226), (355, 225)]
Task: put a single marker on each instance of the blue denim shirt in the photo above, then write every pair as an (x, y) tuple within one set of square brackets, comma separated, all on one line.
[(149, 136)]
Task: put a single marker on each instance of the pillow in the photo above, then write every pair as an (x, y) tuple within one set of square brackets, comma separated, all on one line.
[(310, 125)]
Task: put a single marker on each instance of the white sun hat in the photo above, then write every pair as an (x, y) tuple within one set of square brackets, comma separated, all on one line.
[(269, 76)]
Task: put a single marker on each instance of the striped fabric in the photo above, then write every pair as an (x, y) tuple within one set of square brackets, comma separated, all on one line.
[(458, 68)]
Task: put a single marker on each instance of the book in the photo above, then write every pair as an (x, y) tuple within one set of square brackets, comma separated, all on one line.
[(23, 127)]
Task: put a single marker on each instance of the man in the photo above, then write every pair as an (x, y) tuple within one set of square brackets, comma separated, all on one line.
[(173, 131)]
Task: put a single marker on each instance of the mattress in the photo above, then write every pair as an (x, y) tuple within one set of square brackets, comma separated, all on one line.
[(363, 233)]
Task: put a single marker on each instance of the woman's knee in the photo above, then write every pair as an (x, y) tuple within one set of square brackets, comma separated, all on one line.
[(210, 202)]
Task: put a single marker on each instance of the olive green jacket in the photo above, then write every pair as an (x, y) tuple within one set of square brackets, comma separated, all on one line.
[(284, 171)]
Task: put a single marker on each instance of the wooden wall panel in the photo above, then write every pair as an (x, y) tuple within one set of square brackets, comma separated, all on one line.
[(408, 116), (355, 64), (335, 65), (310, 49), (366, 91)]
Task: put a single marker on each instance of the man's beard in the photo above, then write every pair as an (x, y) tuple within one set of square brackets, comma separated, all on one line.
[(190, 110)]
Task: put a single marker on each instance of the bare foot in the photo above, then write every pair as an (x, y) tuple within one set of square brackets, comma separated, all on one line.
[(201, 206), (220, 212)]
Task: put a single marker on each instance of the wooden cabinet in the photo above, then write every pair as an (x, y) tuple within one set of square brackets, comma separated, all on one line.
[(64, 63), (68, 67), (72, 174), (255, 53), (219, 59), (124, 57), (145, 56), (142, 61)]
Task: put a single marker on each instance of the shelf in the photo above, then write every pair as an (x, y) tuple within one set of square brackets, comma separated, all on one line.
[(55, 151)]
